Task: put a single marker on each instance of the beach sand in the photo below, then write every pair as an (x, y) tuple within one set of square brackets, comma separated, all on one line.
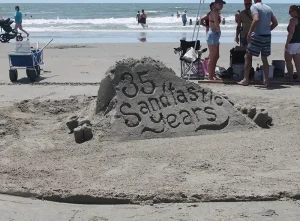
[(39, 159), (88, 63)]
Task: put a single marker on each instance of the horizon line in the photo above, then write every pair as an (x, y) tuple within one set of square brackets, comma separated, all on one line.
[(279, 3)]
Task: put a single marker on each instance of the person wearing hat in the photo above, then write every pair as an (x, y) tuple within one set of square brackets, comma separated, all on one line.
[(259, 39), (184, 18), (244, 23), (213, 37)]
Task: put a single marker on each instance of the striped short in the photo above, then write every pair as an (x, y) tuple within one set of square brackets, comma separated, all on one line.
[(260, 44)]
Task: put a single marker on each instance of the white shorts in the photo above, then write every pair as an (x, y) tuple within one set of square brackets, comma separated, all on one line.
[(294, 48)]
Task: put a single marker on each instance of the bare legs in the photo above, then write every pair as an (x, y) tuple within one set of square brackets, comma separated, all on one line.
[(266, 66), (214, 54), (289, 65), (297, 63), (19, 26), (248, 65)]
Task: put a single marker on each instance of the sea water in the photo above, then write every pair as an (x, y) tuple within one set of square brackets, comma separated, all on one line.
[(113, 23)]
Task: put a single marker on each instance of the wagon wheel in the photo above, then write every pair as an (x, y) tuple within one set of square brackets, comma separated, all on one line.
[(31, 74), (13, 75), (19, 38), (38, 70), (4, 38)]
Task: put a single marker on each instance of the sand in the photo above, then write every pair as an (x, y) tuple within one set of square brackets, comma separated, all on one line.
[(16, 208), (39, 158)]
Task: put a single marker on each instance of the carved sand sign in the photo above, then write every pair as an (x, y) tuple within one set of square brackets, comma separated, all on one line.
[(146, 100)]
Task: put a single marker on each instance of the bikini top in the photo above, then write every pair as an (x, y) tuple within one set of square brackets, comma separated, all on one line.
[(219, 19)]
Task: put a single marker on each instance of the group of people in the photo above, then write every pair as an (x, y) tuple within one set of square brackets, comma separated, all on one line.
[(253, 32), (141, 18), (183, 17)]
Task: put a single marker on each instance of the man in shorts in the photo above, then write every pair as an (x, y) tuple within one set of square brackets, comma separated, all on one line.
[(18, 20), (244, 24), (259, 39), (184, 18)]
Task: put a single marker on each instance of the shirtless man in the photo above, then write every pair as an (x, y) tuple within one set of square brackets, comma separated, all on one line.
[(244, 24)]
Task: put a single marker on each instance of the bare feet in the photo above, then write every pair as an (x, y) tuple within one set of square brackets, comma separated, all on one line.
[(266, 83), (243, 83)]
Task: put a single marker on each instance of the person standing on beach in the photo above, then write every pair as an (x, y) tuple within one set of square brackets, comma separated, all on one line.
[(19, 20), (204, 20), (237, 15), (213, 37), (292, 46), (259, 39), (244, 23), (138, 17), (143, 19), (184, 18)]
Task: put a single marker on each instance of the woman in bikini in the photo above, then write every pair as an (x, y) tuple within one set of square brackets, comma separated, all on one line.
[(213, 37), (205, 19)]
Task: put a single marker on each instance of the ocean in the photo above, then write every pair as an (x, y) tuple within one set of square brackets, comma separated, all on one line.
[(113, 23)]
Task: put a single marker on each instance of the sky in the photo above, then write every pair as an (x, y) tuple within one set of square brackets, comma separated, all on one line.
[(138, 1)]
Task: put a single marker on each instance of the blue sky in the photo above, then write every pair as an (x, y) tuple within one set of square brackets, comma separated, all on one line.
[(138, 1)]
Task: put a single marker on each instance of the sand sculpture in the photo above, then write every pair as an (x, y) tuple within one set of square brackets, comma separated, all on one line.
[(81, 127), (145, 99)]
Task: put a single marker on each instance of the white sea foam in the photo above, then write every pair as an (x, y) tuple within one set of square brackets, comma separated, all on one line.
[(173, 24)]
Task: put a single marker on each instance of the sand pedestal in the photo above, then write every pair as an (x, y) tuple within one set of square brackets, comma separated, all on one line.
[(145, 99)]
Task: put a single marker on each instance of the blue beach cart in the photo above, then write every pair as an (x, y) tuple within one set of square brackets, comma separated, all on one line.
[(31, 61)]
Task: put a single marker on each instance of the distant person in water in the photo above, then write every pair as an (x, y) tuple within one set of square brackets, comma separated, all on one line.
[(223, 21), (143, 19), (178, 15), (138, 17), (184, 18), (19, 20)]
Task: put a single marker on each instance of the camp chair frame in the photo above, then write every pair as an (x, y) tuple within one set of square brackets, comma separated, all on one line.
[(189, 70)]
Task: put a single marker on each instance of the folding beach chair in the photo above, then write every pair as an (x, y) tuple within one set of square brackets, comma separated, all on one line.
[(190, 69)]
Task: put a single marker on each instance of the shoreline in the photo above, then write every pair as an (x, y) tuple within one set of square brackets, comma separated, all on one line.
[(75, 37)]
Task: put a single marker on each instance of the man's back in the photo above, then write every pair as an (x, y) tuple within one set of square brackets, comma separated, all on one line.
[(183, 16), (265, 14)]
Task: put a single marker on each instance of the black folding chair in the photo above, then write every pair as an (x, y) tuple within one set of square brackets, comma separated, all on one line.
[(189, 70)]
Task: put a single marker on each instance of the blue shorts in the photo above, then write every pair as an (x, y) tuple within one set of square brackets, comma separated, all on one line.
[(260, 44), (213, 37)]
